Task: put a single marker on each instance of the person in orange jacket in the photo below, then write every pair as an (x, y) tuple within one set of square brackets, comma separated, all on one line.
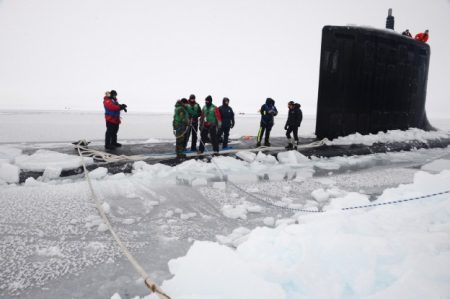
[(422, 36)]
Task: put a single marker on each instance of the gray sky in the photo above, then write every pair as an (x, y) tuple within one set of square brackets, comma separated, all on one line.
[(66, 53)]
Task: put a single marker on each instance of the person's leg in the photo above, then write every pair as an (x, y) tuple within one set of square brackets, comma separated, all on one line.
[(288, 132), (295, 137), (226, 134), (180, 139), (194, 129), (203, 138), (260, 134), (214, 139), (108, 135), (114, 136), (186, 137), (288, 135), (219, 135), (267, 136), (295, 131)]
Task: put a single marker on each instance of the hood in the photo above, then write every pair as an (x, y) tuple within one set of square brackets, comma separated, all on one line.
[(270, 102), (178, 104)]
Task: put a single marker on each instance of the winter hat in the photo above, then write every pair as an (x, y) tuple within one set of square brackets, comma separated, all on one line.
[(208, 99), (270, 101), (113, 93), (225, 100), (184, 101), (192, 97), (291, 103)]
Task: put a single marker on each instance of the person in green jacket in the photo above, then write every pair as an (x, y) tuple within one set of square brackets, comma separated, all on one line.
[(180, 126), (210, 122), (194, 110)]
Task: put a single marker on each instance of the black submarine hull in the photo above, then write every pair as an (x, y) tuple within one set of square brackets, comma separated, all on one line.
[(371, 80)]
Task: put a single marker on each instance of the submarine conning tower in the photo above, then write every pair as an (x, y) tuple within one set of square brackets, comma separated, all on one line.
[(370, 80)]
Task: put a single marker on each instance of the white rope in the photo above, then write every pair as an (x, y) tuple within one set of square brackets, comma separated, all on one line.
[(312, 144), (107, 157), (147, 280)]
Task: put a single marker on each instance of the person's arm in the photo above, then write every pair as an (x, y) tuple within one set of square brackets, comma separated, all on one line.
[(218, 116), (184, 115), (263, 110), (300, 116), (286, 126), (111, 106), (202, 115), (232, 117), (275, 111)]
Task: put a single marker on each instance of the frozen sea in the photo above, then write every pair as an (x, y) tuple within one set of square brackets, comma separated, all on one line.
[(199, 235)]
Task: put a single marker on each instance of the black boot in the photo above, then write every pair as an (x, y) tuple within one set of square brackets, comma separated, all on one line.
[(289, 145), (181, 156)]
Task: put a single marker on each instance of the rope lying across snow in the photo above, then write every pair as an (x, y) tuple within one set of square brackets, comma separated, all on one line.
[(147, 280), (396, 201), (107, 157)]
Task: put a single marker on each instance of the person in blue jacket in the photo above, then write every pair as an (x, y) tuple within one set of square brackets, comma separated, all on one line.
[(268, 111), (227, 122)]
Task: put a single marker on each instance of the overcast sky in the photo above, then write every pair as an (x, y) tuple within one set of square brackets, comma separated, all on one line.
[(65, 53)]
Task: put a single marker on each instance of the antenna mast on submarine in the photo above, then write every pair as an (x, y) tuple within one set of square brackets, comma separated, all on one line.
[(390, 20)]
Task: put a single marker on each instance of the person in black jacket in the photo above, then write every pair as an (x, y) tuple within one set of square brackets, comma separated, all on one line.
[(407, 33), (293, 122), (268, 111), (227, 122)]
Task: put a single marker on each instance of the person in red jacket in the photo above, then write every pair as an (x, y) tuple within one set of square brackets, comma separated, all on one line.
[(422, 36), (112, 117)]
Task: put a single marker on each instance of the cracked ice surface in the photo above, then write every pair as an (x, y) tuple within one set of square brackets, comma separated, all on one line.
[(52, 243)]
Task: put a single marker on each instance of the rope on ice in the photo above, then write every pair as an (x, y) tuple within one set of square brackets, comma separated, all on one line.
[(151, 285)]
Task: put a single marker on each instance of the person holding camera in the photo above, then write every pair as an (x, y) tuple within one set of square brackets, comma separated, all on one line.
[(112, 118)]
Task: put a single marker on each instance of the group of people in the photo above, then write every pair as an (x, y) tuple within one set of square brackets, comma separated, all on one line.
[(421, 36), (215, 123), (212, 123)]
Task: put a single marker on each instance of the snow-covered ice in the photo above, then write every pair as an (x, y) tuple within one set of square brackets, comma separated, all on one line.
[(397, 251), (42, 159), (234, 233)]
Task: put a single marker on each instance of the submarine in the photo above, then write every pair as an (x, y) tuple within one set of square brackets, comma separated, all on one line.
[(371, 80)]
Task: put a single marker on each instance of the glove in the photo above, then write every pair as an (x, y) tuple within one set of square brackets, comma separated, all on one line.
[(286, 127), (123, 107), (232, 125)]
